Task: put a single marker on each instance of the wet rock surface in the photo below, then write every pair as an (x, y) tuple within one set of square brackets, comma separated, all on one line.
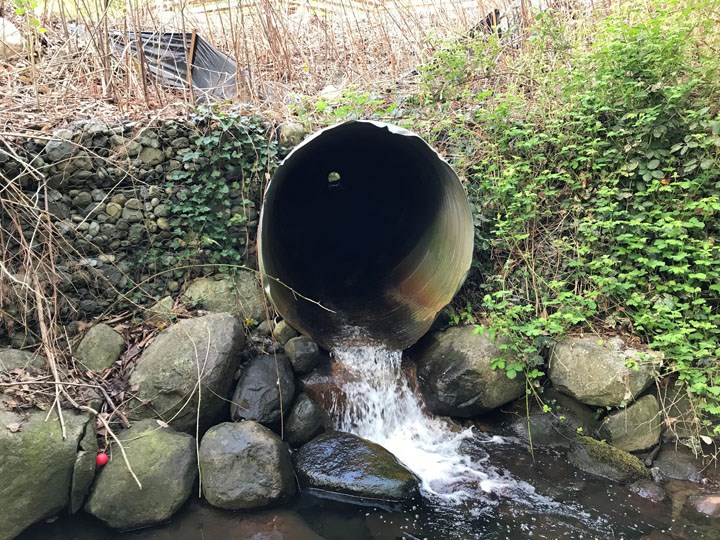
[(304, 354), (163, 460), (265, 390), (594, 370), (166, 375), (305, 421), (37, 466), (455, 376), (601, 459), (342, 463), (244, 465)]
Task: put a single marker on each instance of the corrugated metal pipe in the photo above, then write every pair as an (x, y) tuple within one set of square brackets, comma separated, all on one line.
[(365, 234)]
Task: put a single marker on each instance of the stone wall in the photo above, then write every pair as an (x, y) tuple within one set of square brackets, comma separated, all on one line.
[(110, 192)]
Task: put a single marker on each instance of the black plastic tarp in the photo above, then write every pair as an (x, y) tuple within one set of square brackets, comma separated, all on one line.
[(165, 56)]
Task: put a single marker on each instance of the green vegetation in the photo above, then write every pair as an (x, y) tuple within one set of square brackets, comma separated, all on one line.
[(592, 157)]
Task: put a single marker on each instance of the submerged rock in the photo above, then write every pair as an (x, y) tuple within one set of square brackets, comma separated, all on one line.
[(166, 375), (595, 371), (100, 348), (37, 466), (164, 462), (346, 464), (601, 459), (265, 390), (244, 465), (455, 374), (704, 504), (635, 428), (240, 295)]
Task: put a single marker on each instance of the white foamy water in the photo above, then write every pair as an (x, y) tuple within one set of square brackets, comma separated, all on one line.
[(379, 405)]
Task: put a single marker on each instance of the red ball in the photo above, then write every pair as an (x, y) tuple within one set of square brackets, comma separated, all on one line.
[(101, 459)]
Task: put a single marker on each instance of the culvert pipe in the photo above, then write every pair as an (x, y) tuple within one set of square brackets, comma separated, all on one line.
[(365, 233)]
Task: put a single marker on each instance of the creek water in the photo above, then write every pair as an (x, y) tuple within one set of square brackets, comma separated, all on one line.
[(476, 483)]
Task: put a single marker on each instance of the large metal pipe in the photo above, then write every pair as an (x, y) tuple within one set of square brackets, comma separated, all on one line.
[(365, 232)]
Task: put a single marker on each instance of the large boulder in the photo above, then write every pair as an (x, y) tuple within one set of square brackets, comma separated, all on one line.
[(244, 465), (166, 376), (265, 390), (634, 428), (601, 372), (37, 466), (345, 464), (305, 421), (240, 295), (16, 359), (100, 348), (456, 377), (165, 463)]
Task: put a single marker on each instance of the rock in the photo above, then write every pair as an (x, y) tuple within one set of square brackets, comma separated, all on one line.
[(244, 465), (151, 156), (283, 332), (164, 462), (84, 469), (304, 354), (456, 378), (13, 359), (161, 311), (290, 134), (556, 426), (305, 421), (705, 504), (681, 416), (647, 489), (258, 396), (240, 295), (601, 459), (594, 371), (679, 463), (343, 463), (100, 348), (12, 42), (635, 428), (132, 216), (167, 372), (133, 204), (113, 209), (37, 466)]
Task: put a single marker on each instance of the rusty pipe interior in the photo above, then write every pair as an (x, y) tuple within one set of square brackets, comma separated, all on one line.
[(365, 233)]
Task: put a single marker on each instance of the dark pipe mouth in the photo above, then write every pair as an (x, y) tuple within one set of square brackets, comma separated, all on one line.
[(364, 231)]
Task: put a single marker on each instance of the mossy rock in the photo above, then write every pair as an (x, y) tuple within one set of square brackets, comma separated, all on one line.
[(601, 459)]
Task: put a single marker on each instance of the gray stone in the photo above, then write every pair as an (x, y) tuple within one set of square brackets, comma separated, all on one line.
[(305, 421), (594, 371), (133, 204), (161, 311), (12, 42), (36, 467), (151, 156), (136, 233), (161, 210), (59, 150), (346, 464), (84, 469), (132, 216), (113, 209), (265, 390), (163, 460), (240, 295), (283, 332), (119, 198), (82, 200), (291, 134), (456, 378), (13, 359), (304, 354), (163, 224), (681, 415), (244, 465), (166, 375), (601, 459), (677, 462), (647, 489), (100, 348), (635, 428)]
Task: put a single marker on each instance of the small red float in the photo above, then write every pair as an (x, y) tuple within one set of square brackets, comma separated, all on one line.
[(101, 459)]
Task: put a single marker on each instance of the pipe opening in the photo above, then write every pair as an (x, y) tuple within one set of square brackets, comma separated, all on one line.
[(370, 223)]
